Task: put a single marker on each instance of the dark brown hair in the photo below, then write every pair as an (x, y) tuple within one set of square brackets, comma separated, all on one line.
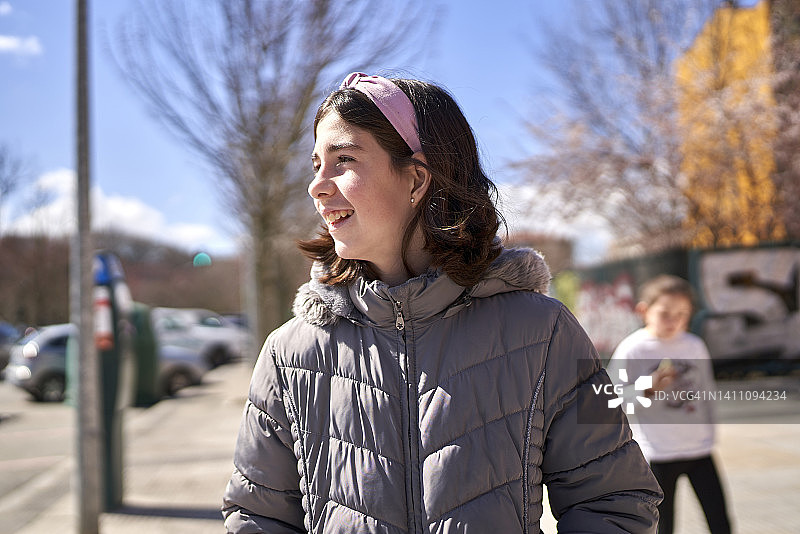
[(457, 214), (666, 284)]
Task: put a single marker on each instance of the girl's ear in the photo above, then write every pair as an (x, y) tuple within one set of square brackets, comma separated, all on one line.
[(421, 176), (641, 309)]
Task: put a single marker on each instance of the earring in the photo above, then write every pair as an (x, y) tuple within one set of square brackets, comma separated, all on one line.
[(412, 200)]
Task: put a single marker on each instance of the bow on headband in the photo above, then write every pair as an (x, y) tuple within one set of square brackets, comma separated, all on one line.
[(391, 101)]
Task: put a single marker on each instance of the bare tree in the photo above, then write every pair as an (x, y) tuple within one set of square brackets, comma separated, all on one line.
[(614, 133), (606, 122), (34, 278), (13, 171), (237, 81)]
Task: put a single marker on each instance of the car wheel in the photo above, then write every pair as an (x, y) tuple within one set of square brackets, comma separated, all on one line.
[(176, 382), (51, 389), (217, 356)]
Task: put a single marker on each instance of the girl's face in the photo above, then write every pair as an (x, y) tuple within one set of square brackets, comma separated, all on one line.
[(365, 203), (668, 316)]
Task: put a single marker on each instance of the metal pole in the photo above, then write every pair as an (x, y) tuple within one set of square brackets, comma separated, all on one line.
[(89, 453), (251, 301)]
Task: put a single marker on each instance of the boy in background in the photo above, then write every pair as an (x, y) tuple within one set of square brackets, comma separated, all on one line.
[(675, 430)]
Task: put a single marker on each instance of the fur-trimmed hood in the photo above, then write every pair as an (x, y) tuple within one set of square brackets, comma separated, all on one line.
[(374, 302)]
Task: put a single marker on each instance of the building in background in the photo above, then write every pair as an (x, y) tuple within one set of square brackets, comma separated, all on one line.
[(729, 126)]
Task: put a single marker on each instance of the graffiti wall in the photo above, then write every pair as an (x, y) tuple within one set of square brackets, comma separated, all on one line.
[(750, 302), (748, 299), (605, 310), (606, 300)]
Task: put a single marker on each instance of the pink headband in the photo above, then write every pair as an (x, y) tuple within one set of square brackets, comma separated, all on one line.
[(393, 103)]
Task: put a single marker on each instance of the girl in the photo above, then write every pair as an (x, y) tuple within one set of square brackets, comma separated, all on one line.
[(426, 384)]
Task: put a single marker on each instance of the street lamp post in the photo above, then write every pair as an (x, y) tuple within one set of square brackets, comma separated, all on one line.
[(88, 449)]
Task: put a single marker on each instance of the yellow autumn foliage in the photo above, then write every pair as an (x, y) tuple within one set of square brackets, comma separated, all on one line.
[(726, 114)]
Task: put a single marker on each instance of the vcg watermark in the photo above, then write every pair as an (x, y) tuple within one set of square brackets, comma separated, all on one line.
[(642, 384), (751, 398)]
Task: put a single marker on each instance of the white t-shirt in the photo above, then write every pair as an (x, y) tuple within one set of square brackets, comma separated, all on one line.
[(679, 424)]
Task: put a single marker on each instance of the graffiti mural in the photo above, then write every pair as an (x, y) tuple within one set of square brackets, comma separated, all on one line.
[(748, 310), (606, 311), (750, 301)]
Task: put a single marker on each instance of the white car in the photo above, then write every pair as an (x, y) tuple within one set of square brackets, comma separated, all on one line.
[(218, 339)]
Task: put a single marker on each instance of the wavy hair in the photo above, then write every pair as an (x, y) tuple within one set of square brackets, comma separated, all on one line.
[(457, 214)]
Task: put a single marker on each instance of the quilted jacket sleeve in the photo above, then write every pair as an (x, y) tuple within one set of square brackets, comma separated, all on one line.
[(263, 494), (597, 479)]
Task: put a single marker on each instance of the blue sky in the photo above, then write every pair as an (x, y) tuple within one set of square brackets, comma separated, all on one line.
[(147, 182)]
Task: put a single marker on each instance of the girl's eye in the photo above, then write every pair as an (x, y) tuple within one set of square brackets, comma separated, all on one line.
[(316, 164)]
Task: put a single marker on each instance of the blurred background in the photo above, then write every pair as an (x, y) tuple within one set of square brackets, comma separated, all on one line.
[(627, 137)]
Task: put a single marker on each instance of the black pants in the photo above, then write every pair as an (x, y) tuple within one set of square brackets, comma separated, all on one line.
[(704, 480)]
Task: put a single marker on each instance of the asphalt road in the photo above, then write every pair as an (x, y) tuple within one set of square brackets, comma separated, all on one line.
[(36, 446)]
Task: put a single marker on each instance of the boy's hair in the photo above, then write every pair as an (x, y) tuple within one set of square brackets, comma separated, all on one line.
[(666, 284), (457, 214)]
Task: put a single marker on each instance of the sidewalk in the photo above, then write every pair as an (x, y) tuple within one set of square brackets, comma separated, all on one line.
[(760, 469), (178, 458), (179, 452)]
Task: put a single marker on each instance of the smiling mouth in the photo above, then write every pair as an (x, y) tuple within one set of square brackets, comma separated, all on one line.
[(337, 216)]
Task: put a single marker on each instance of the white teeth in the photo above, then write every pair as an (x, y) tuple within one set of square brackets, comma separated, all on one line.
[(334, 216)]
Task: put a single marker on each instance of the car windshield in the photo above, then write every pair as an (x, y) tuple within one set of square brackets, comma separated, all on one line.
[(48, 335), (60, 341), (210, 320)]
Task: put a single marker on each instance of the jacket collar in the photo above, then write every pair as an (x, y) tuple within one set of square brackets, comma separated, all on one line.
[(418, 298), (373, 302)]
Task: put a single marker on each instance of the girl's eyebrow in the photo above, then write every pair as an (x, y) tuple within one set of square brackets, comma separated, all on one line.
[(343, 146), (335, 147)]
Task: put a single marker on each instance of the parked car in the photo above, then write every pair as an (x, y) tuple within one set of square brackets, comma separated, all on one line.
[(179, 367), (38, 364), (8, 335), (218, 339)]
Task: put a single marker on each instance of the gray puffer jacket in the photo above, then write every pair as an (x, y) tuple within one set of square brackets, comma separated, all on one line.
[(430, 407)]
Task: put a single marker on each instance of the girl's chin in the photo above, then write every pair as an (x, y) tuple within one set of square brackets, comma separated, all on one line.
[(345, 252)]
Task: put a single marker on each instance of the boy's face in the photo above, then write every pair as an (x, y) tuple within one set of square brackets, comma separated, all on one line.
[(668, 316)]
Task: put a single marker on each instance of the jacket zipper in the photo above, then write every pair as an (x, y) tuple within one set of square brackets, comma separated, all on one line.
[(399, 322)]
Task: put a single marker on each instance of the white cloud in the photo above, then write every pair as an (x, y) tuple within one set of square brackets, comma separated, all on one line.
[(56, 216), (60, 182), (21, 46), (5, 9), (51, 211)]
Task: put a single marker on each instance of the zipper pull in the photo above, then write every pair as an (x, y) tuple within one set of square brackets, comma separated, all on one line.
[(399, 323)]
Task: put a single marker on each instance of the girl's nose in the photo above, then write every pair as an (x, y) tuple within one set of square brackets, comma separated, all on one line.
[(321, 186)]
